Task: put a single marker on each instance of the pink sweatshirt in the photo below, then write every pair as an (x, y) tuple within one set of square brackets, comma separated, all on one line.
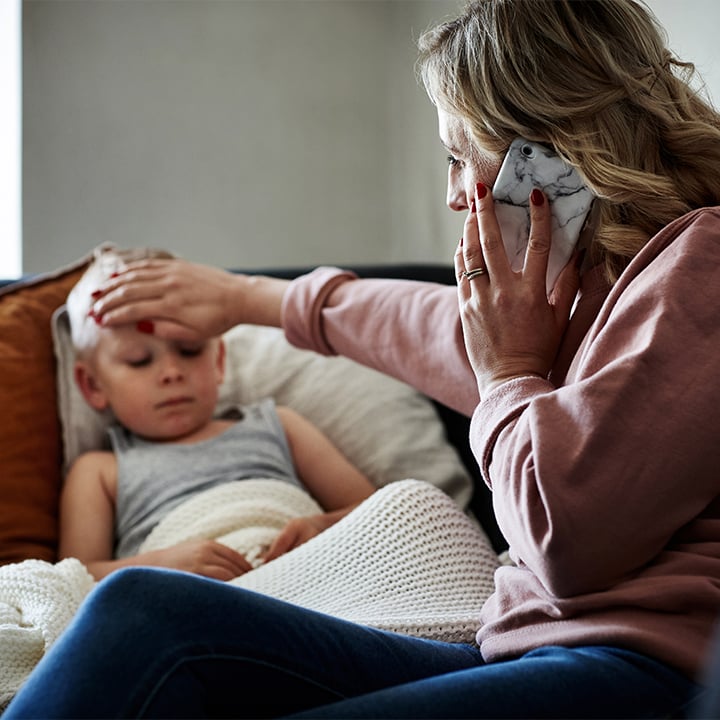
[(606, 476)]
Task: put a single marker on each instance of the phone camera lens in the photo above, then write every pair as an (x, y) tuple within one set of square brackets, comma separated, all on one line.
[(527, 151)]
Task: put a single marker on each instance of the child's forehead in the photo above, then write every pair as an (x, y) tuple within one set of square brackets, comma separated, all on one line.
[(120, 337), (127, 336)]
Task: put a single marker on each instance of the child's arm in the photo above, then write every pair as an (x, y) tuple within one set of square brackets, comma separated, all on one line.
[(87, 510), (336, 484), (87, 528)]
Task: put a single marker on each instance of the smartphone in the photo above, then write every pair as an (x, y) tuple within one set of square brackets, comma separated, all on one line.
[(529, 165)]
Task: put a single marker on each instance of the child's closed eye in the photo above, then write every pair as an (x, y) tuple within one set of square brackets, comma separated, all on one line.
[(191, 350), (139, 362)]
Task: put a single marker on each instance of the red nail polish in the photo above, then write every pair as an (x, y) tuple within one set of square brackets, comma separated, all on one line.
[(95, 294), (461, 241), (114, 275), (536, 197), (473, 205), (481, 190), (145, 326)]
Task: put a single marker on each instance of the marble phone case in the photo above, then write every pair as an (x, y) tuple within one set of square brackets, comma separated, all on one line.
[(528, 165)]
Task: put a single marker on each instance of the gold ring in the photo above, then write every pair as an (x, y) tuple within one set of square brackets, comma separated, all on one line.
[(470, 274)]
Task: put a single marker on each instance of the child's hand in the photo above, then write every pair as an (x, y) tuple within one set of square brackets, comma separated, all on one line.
[(202, 557), (295, 533)]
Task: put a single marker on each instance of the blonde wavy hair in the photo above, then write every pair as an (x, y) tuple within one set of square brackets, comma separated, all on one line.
[(595, 80)]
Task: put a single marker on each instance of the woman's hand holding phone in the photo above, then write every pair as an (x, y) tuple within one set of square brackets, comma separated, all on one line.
[(511, 327)]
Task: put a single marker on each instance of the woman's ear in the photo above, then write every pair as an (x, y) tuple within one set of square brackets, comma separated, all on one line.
[(220, 362), (89, 387)]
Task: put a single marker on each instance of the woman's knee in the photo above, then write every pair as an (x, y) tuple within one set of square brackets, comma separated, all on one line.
[(140, 595), (125, 585)]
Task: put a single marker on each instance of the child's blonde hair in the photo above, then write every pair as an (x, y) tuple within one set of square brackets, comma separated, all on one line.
[(106, 261)]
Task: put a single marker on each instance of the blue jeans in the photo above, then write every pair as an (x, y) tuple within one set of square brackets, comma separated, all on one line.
[(159, 643)]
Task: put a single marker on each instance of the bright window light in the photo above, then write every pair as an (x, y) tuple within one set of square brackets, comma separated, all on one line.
[(10, 140)]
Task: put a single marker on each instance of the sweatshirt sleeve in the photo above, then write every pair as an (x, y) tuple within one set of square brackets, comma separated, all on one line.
[(407, 329), (594, 479)]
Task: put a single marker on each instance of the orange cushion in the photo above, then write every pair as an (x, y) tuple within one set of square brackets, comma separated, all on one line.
[(30, 442)]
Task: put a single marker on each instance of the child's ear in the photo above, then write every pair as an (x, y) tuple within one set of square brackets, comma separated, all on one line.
[(220, 362), (91, 391)]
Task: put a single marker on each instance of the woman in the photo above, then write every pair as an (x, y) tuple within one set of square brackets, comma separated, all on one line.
[(596, 429)]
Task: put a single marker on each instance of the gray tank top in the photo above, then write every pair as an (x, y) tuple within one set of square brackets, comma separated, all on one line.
[(153, 478)]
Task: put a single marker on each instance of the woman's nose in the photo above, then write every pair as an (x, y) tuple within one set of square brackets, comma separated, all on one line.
[(456, 197)]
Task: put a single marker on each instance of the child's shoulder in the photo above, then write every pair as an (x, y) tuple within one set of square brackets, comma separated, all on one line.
[(91, 468), (292, 419), (93, 459), (284, 411)]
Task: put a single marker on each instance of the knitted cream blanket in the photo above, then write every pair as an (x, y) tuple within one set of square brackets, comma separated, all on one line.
[(245, 515), (37, 601), (407, 559)]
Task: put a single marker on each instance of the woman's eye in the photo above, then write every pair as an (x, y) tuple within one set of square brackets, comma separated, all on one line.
[(452, 160), (139, 362)]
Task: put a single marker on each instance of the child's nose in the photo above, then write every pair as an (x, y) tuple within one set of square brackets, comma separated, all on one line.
[(171, 371)]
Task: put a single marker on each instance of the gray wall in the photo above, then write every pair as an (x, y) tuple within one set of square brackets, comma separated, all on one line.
[(244, 133)]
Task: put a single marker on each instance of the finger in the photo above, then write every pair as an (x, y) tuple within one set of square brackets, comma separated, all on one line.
[(127, 314), (217, 572), (220, 572), (143, 280), (231, 559), (459, 262), (149, 313), (563, 294), (538, 247), (494, 257), (282, 544), (138, 276), (160, 264), (128, 302), (241, 563), (471, 250)]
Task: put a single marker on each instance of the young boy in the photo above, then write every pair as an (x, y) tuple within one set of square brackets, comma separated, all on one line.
[(168, 445)]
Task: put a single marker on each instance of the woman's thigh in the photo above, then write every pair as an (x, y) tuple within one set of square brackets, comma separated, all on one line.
[(551, 682), (161, 643)]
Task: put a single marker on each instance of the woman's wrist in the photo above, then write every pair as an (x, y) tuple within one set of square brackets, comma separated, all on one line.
[(256, 300), (487, 386)]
